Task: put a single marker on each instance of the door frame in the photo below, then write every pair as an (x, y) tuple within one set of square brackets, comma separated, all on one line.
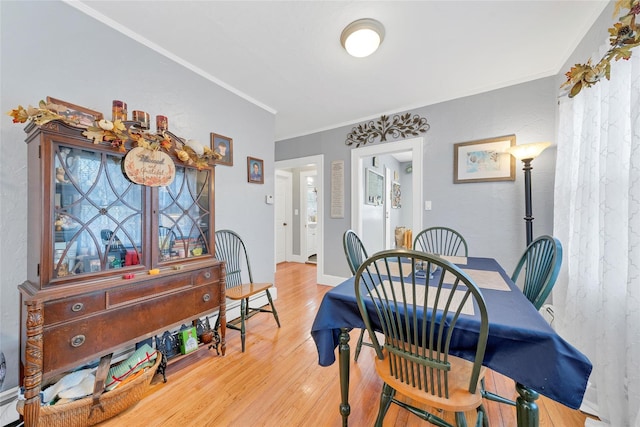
[(415, 145), (318, 161)]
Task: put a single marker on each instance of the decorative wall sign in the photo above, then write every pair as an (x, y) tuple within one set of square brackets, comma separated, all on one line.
[(337, 189), (403, 125), (152, 168)]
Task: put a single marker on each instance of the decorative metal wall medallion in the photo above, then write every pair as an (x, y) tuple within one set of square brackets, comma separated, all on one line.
[(400, 126)]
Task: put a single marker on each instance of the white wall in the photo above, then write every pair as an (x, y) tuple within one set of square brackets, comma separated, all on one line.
[(489, 215), (50, 48)]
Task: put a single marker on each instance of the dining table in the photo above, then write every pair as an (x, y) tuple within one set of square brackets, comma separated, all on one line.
[(521, 344)]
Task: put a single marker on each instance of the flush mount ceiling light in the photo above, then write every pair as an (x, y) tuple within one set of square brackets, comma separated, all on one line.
[(362, 37)]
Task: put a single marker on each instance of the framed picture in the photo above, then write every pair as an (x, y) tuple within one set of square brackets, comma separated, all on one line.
[(484, 160), (255, 170), (78, 116), (375, 188), (396, 199), (222, 145)]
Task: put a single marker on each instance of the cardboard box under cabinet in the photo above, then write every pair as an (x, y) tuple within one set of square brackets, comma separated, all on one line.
[(188, 340)]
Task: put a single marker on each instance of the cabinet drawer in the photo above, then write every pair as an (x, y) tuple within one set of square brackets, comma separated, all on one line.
[(207, 298), (207, 275), (76, 342), (156, 286), (73, 307)]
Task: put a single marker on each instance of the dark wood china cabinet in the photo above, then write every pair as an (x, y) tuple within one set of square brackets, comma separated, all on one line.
[(110, 262)]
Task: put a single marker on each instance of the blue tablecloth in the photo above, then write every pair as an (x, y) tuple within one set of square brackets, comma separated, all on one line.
[(521, 344)]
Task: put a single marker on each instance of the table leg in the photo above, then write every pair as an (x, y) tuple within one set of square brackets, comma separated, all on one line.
[(343, 361), (526, 407)]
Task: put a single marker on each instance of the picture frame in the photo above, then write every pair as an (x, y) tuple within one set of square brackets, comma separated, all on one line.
[(222, 145), (374, 188), (76, 115), (255, 170), (396, 195), (484, 160)]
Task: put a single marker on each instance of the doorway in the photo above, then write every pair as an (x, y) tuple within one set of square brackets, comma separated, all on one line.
[(297, 247), (361, 212), (309, 215)]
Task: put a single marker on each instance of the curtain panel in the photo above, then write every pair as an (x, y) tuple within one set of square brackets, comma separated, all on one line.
[(597, 219)]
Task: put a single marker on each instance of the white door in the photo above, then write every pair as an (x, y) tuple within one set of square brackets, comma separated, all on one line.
[(282, 210)]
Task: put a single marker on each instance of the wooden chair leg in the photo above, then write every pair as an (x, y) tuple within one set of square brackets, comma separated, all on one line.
[(273, 307), (385, 403), (359, 345), (244, 304)]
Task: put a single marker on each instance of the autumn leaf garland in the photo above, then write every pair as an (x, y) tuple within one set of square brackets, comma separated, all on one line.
[(115, 133), (623, 36)]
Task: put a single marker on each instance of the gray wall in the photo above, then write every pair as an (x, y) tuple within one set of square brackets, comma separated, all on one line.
[(50, 48), (489, 215)]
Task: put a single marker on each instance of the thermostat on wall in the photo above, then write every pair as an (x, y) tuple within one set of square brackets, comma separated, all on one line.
[(268, 199)]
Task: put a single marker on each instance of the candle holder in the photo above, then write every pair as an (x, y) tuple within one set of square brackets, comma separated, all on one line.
[(118, 110), (142, 118), (162, 123)]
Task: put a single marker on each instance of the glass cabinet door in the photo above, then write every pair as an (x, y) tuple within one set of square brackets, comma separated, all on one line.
[(183, 215), (98, 213)]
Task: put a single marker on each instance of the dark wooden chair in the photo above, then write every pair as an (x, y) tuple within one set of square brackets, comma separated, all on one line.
[(418, 315), (442, 241), (356, 254), (231, 249), (537, 269)]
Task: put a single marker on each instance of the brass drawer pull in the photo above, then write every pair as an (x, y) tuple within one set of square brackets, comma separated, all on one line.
[(77, 307), (207, 275), (77, 341), (206, 297)]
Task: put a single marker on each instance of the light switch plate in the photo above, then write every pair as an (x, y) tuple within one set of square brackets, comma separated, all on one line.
[(268, 199)]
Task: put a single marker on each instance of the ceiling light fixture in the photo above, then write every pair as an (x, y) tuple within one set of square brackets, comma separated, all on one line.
[(362, 37)]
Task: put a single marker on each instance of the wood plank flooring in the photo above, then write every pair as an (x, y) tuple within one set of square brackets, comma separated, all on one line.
[(278, 382)]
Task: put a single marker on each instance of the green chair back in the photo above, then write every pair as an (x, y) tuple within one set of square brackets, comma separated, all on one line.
[(354, 250), (442, 241), (231, 249), (540, 263), (417, 344)]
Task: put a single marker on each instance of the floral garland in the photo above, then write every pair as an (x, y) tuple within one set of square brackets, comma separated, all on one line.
[(115, 132), (624, 36)]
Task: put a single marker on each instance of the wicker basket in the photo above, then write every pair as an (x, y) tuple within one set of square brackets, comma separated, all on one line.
[(76, 413)]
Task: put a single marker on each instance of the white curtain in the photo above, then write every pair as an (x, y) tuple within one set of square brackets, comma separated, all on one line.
[(597, 219)]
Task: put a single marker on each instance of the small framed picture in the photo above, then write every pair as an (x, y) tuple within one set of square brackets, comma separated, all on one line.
[(255, 170), (484, 160), (76, 115), (222, 145)]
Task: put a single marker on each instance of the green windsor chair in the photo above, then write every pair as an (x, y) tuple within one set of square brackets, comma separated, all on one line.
[(442, 241), (231, 249), (414, 360), (540, 264), (356, 254)]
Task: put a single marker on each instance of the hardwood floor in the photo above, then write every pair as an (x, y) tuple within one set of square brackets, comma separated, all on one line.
[(278, 382)]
